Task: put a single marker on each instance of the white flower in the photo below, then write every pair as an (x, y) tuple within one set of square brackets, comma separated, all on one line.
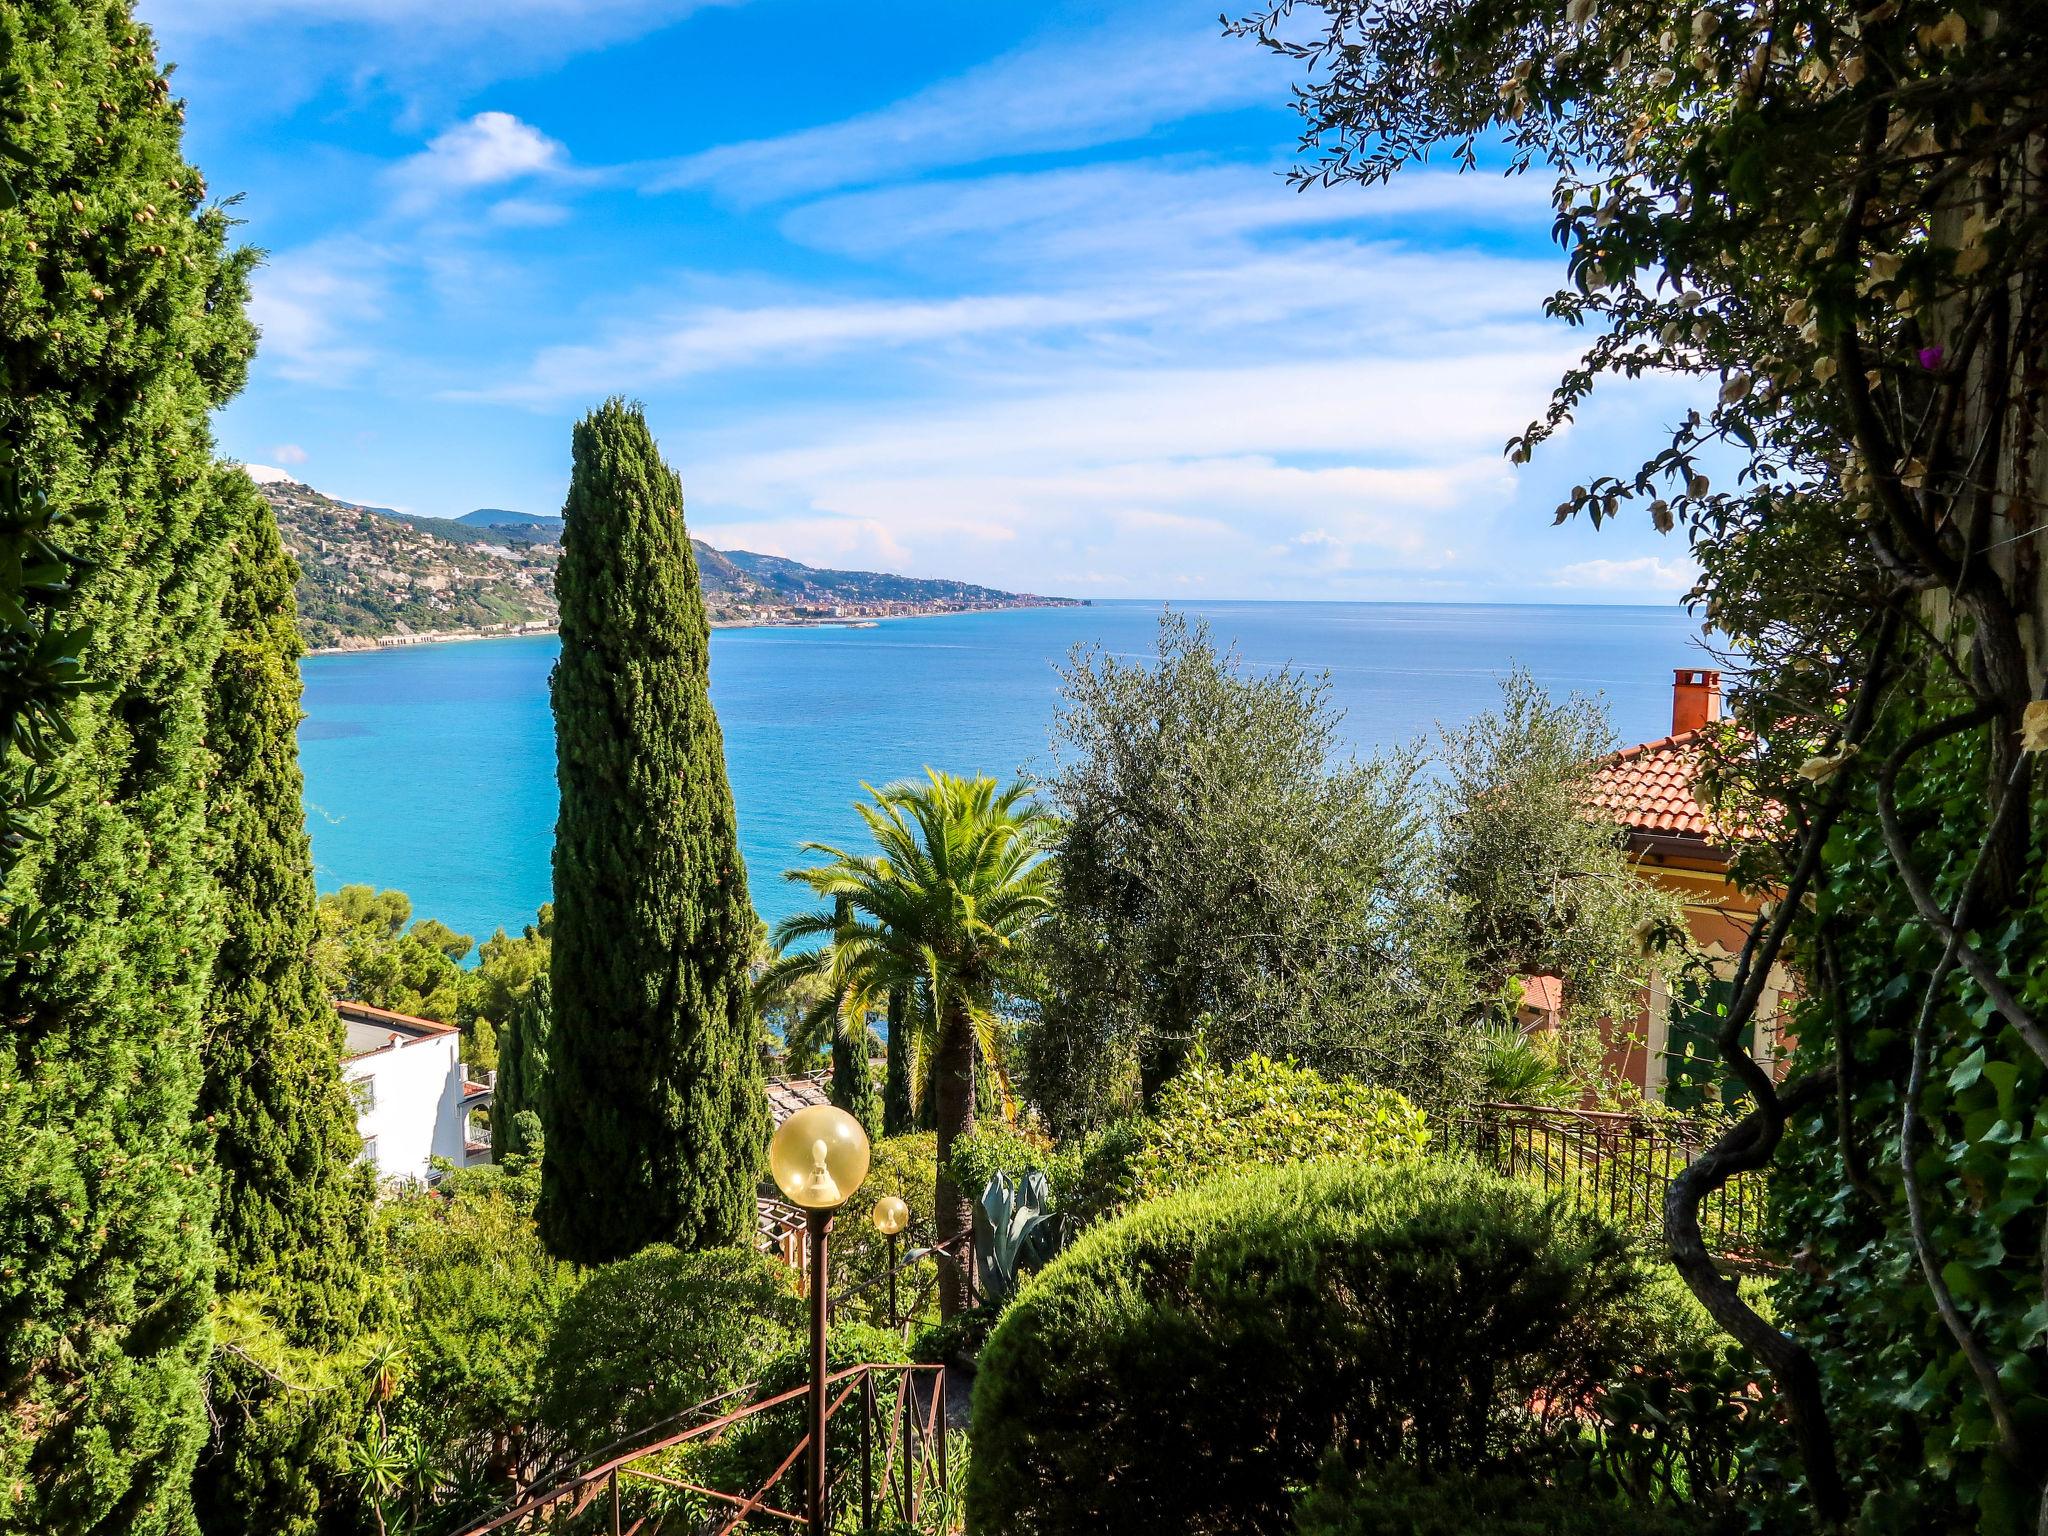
[(1661, 78), (1704, 24), (1735, 389), (2034, 727), (1660, 515), (1818, 770)]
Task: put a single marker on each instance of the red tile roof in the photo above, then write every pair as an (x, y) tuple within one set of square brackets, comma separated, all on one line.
[(1649, 788)]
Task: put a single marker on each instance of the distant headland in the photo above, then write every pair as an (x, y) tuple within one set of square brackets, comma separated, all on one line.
[(371, 577)]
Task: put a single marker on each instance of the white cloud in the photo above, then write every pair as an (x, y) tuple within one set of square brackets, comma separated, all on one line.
[(489, 149), (268, 474), (288, 453), (1645, 573), (313, 306), (1112, 85)]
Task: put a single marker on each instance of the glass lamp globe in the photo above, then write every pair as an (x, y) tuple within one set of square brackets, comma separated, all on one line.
[(891, 1215), (819, 1157)]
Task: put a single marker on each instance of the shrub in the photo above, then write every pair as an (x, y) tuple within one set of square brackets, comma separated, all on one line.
[(1016, 1150), (1268, 1113), (649, 1336), (753, 1448), (904, 1166), (1398, 1501), (1411, 1313)]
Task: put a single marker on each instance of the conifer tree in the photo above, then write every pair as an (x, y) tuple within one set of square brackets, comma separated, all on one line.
[(522, 1069), (292, 1224), (655, 1113), (293, 1202), (898, 1118), (122, 326)]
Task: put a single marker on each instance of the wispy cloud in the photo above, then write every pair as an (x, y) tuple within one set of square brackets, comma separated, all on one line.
[(316, 305), (1645, 573), (1106, 87), (491, 149)]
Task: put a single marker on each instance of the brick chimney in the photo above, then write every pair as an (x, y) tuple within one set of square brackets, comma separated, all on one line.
[(1695, 699)]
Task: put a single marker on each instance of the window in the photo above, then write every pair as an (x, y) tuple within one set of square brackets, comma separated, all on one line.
[(364, 1091), (369, 1149)]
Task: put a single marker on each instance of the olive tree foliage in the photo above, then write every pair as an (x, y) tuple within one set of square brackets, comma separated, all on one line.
[(1228, 879), (1831, 216), (1540, 887)]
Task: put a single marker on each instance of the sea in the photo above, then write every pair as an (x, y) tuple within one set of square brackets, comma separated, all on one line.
[(431, 768)]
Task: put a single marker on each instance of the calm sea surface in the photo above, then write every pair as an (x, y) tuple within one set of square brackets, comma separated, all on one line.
[(432, 769)]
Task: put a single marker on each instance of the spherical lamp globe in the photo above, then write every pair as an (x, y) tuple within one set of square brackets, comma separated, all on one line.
[(891, 1216), (819, 1157)]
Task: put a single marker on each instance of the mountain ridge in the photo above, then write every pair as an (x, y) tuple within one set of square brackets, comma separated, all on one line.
[(371, 576)]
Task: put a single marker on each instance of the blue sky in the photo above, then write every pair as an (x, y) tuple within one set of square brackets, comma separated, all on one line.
[(1009, 293)]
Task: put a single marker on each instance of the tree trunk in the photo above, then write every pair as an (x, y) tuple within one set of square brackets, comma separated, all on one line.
[(953, 1071)]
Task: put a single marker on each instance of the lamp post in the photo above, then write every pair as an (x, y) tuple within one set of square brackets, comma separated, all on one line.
[(891, 1217), (819, 1157)]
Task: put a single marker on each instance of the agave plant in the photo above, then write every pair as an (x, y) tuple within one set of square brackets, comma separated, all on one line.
[(1014, 1233)]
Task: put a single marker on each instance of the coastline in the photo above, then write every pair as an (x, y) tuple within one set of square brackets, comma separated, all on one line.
[(527, 631)]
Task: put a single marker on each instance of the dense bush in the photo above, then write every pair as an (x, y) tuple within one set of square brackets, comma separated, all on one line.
[(1266, 1113), (902, 1166), (649, 1336), (1409, 1313), (1398, 1501)]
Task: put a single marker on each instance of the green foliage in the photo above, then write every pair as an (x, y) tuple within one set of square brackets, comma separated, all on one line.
[(490, 995), (475, 1298), (662, 1331), (1226, 879), (370, 951), (1540, 887), (1916, 1426), (1251, 1326), (898, 1097), (755, 1447), (119, 333), (293, 1207), (522, 1081), (903, 1166), (1262, 1113), (1514, 1068), (1399, 1501), (1016, 1150), (655, 1112), (292, 1222), (938, 915)]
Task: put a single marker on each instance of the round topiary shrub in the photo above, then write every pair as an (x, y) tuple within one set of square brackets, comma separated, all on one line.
[(1399, 1501), (1188, 1366)]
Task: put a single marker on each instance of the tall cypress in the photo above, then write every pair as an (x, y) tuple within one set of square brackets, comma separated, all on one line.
[(292, 1224), (121, 325), (853, 1078), (898, 1118), (655, 1113), (293, 1202), (522, 1070)]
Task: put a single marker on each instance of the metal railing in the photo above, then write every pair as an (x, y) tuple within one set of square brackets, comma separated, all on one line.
[(895, 1467), (1618, 1165)]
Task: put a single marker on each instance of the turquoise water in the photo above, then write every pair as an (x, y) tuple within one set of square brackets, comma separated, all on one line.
[(431, 769)]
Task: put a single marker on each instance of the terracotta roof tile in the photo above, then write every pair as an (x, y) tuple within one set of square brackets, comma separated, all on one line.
[(1649, 788)]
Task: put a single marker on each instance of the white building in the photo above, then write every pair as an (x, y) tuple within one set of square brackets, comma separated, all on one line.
[(413, 1094)]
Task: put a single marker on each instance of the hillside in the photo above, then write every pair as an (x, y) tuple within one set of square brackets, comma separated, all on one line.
[(370, 576)]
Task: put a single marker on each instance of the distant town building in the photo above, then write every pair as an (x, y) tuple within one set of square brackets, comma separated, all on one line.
[(412, 1093), (1676, 844)]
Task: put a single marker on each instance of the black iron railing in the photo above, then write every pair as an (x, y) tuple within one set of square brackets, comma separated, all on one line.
[(1620, 1165)]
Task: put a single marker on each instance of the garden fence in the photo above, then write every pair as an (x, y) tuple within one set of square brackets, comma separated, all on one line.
[(1619, 1165)]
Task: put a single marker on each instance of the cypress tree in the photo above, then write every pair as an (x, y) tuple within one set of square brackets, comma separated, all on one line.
[(122, 326), (655, 1113), (522, 1069), (294, 1205), (898, 1118), (292, 1224)]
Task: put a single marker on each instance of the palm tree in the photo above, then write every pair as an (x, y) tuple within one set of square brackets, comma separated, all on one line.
[(936, 914)]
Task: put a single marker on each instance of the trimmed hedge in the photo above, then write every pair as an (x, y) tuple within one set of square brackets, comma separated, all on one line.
[(1187, 1367)]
